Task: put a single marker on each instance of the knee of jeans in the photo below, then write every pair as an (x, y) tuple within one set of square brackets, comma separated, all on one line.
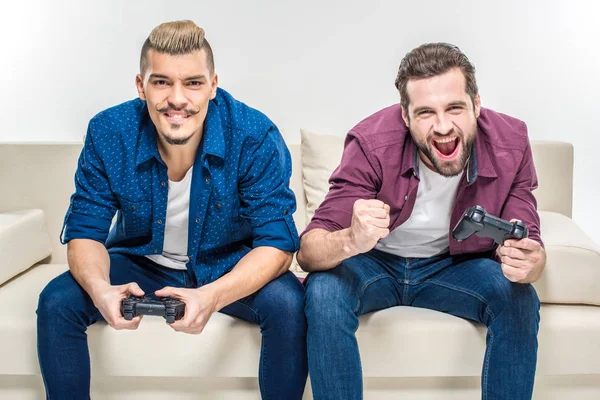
[(327, 296), (517, 299), (287, 305), (55, 299)]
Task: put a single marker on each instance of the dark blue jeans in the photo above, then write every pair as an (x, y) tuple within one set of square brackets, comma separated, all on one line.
[(65, 311), (468, 287)]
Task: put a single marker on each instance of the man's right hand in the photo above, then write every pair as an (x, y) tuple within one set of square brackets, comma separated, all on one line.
[(107, 299), (370, 223)]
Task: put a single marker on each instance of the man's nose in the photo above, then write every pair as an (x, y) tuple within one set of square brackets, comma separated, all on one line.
[(443, 125), (177, 97)]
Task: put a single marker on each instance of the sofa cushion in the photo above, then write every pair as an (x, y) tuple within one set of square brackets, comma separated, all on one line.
[(24, 241), (436, 344), (572, 273), (321, 154)]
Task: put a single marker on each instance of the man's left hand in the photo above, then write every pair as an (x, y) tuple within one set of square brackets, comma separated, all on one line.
[(200, 304), (522, 260)]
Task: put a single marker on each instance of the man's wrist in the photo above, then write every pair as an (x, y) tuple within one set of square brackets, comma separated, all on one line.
[(94, 288), (215, 295), (348, 240)]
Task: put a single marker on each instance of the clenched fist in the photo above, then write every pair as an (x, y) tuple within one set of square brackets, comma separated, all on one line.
[(370, 223)]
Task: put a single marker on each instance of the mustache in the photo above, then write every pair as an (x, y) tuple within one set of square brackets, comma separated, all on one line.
[(171, 107), (451, 132)]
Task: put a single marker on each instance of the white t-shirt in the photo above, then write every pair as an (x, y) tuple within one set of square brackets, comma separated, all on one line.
[(425, 233), (175, 245)]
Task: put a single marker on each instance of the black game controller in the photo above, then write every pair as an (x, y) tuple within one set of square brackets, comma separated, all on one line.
[(170, 308), (477, 221)]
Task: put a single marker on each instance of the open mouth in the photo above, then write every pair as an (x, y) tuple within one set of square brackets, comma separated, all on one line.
[(446, 148), (176, 118)]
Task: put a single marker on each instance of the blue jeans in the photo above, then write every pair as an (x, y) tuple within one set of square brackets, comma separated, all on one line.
[(470, 287), (65, 311)]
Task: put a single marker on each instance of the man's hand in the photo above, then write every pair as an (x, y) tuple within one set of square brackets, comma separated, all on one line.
[(200, 304), (107, 299), (370, 223), (522, 260)]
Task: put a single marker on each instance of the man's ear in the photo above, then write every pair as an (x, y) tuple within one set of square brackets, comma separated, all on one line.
[(477, 106), (405, 116), (139, 84), (214, 83)]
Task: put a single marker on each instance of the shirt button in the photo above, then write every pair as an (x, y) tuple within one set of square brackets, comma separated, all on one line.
[(415, 173), (159, 221), (132, 208), (207, 180), (285, 212), (197, 220), (405, 198), (218, 205), (163, 184), (155, 251)]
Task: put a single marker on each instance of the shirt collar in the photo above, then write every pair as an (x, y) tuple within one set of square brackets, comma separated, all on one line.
[(213, 141), (213, 138), (147, 147), (480, 162), (409, 160)]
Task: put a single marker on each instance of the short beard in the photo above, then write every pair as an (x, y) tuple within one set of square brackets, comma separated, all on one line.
[(440, 168), (177, 142)]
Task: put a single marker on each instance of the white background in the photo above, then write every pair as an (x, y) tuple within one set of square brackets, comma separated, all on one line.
[(322, 65)]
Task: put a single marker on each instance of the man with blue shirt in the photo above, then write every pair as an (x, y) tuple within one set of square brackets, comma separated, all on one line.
[(199, 182)]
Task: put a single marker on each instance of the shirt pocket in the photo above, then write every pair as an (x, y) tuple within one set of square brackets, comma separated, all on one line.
[(223, 224), (136, 217)]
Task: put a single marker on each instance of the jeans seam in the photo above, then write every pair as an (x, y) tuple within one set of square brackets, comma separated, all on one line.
[(365, 286), (249, 308), (262, 369), (468, 292), (263, 351), (487, 364), (490, 332)]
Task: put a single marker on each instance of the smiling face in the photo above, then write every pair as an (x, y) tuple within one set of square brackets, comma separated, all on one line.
[(177, 89), (442, 120)]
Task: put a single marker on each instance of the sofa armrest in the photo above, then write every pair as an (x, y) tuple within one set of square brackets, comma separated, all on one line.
[(572, 274), (24, 241)]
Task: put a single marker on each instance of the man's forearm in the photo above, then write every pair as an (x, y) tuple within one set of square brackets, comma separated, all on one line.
[(257, 268), (322, 250), (89, 264)]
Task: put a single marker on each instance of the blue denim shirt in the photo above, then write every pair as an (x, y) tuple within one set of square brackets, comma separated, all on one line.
[(240, 196)]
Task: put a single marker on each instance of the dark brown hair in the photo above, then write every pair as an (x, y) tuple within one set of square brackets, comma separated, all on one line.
[(433, 59)]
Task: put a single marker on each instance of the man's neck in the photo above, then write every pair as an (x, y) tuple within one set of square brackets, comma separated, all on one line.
[(179, 158)]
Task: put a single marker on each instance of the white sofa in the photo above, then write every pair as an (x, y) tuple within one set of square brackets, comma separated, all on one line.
[(406, 352)]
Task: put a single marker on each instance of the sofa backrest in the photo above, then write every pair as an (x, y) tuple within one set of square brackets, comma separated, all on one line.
[(36, 175)]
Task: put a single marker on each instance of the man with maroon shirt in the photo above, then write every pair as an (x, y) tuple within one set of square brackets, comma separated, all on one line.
[(382, 236)]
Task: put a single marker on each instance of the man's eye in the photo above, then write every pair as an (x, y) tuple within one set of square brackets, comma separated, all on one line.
[(160, 82), (195, 83), (424, 112)]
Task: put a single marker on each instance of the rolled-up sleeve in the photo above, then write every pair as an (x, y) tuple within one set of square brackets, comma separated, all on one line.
[(267, 202), (93, 204)]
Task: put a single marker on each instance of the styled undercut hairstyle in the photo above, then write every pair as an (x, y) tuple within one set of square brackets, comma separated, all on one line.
[(432, 59), (176, 38)]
